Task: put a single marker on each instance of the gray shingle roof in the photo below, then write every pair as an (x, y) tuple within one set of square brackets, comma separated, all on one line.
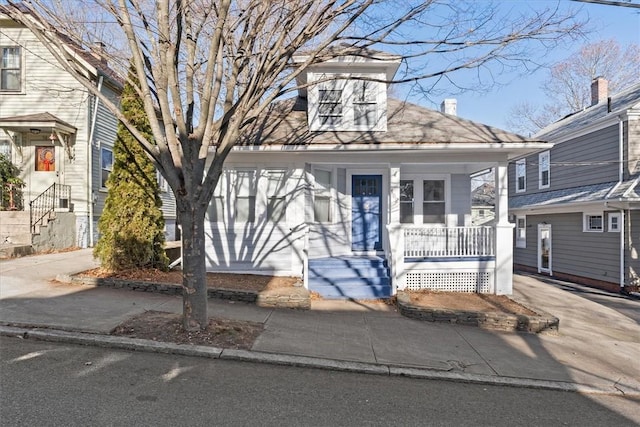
[(584, 194), (622, 101), (286, 123)]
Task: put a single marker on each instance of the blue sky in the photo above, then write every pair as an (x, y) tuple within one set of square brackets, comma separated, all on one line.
[(606, 22)]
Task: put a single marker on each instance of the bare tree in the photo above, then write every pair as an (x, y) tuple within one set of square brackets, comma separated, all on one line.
[(568, 86), (207, 69)]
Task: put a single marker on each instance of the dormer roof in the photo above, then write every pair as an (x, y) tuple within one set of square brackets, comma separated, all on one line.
[(345, 59)]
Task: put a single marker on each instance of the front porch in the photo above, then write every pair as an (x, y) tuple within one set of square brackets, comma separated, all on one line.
[(453, 259), (426, 240)]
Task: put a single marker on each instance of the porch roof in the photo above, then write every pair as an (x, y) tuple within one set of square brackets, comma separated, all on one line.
[(409, 126), (627, 191), (46, 122)]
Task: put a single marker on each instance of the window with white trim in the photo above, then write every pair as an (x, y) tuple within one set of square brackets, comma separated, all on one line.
[(521, 176), (244, 189), (163, 186), (433, 208), (106, 165), (593, 222), (365, 102), (5, 148), (544, 169), (330, 110), (276, 194), (521, 232), (322, 190), (216, 209), (614, 222), (406, 202), (338, 103), (10, 69)]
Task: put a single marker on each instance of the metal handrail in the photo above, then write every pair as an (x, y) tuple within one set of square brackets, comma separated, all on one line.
[(56, 196)]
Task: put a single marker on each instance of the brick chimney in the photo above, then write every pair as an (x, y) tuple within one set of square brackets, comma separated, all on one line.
[(449, 106), (599, 90)]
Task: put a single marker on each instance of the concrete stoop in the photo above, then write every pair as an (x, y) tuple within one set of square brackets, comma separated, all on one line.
[(8, 250), (539, 323)]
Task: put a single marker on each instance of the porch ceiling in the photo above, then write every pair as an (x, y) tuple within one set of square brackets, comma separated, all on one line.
[(36, 123)]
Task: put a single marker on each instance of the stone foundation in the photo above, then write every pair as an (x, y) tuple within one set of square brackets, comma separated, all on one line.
[(295, 297), (538, 323)]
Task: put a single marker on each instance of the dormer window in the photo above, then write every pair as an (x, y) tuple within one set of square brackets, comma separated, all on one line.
[(341, 103), (365, 103), (330, 107)]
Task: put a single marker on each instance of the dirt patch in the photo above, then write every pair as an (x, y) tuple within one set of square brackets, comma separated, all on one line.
[(248, 282), (484, 303), (167, 327)]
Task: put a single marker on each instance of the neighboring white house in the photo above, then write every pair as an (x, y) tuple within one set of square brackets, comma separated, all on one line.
[(56, 132), (344, 178)]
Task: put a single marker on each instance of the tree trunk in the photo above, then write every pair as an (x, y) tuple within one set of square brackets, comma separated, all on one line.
[(194, 280)]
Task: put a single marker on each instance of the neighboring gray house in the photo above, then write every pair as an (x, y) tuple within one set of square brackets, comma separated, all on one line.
[(577, 205), (483, 200), (61, 138), (361, 194)]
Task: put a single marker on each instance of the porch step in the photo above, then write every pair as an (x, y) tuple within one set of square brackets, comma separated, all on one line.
[(350, 277)]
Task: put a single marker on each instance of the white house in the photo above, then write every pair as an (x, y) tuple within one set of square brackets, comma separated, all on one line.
[(360, 194)]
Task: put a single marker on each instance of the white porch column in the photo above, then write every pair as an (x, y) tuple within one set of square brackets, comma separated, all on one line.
[(504, 234), (394, 194), (394, 233), (297, 188)]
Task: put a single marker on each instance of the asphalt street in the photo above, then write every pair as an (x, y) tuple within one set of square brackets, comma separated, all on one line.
[(51, 384)]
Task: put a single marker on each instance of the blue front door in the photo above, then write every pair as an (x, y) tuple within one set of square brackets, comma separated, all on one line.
[(366, 230)]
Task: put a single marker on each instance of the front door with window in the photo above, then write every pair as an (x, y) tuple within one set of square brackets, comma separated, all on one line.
[(366, 214), (544, 248), (45, 169)]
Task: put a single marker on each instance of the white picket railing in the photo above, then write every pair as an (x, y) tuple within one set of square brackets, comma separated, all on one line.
[(430, 242)]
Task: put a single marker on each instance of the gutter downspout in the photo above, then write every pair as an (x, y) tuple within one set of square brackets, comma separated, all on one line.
[(90, 168)]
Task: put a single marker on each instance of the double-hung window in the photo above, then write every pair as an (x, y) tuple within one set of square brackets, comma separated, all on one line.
[(216, 209), (330, 109), (521, 176), (521, 232), (244, 188), (543, 170), (276, 194), (10, 69), (365, 97), (106, 165), (406, 202), (433, 208), (322, 195)]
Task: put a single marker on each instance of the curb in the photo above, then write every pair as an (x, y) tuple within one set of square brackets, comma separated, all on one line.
[(136, 344)]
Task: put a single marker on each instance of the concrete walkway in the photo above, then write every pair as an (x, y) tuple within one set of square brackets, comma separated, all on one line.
[(597, 349)]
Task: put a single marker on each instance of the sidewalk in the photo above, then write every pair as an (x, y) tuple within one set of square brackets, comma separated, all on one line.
[(597, 349)]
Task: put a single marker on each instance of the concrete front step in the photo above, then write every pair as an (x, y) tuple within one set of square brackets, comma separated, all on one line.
[(345, 291), (14, 251)]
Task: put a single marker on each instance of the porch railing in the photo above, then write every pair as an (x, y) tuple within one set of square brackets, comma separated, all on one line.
[(435, 242), (55, 197)]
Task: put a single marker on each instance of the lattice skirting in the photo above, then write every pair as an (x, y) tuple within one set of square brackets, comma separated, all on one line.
[(459, 281)]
